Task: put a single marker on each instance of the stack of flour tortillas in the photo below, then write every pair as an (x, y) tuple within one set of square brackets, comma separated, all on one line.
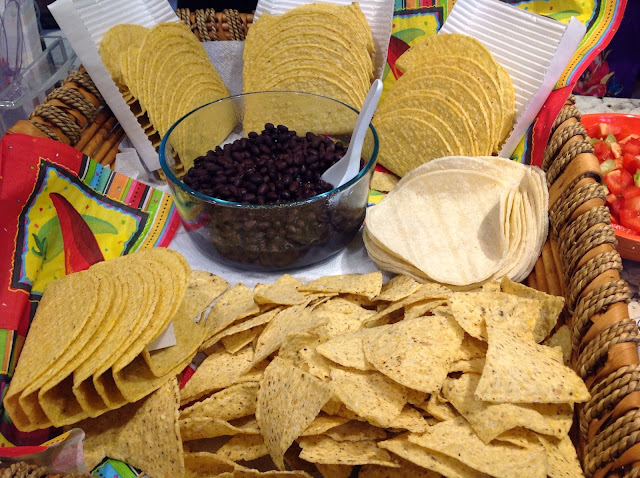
[(461, 221)]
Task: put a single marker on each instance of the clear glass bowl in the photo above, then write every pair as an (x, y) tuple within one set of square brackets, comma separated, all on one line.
[(267, 237)]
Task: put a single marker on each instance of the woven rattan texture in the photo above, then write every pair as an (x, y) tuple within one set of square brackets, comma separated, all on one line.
[(581, 225)]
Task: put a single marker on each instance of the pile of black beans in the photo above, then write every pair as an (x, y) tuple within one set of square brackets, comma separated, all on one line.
[(274, 167)]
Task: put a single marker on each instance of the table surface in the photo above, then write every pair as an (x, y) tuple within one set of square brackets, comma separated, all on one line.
[(590, 104)]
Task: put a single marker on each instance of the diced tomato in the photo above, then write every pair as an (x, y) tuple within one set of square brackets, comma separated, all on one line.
[(631, 146), (615, 203), (630, 193), (616, 149), (602, 130), (602, 151), (594, 131), (632, 204), (629, 138), (618, 180), (630, 219), (631, 162)]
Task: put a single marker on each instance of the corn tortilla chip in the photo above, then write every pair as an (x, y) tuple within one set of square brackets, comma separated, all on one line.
[(371, 395), (517, 370), (347, 350), (199, 427), (398, 288), (322, 449), (322, 423), (410, 419), (416, 353), (562, 457), (551, 306), (455, 438), (234, 343), (431, 460), (235, 304), (406, 469), (219, 370), (243, 447), (334, 471), (123, 434), (204, 465), (288, 401), (440, 408), (367, 285), (292, 320), (284, 291), (562, 338), (356, 431), (236, 401), (247, 324), (490, 420)]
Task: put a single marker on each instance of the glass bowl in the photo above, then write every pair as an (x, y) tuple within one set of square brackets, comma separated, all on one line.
[(270, 236)]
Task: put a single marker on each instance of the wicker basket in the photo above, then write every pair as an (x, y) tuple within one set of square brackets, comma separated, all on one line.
[(580, 262)]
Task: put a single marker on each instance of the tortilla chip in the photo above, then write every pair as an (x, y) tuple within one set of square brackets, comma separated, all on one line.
[(440, 408), (367, 285), (236, 401), (284, 291), (199, 427), (325, 450), (219, 370), (356, 431), (281, 386), (475, 365), (455, 438), (322, 423), (243, 447), (234, 343), (490, 420), (123, 434), (204, 465), (370, 395), (416, 353), (292, 320), (383, 182), (517, 370), (251, 323), (562, 339), (410, 419), (334, 471), (562, 457), (551, 306), (235, 304), (341, 316), (348, 350), (431, 460), (407, 469), (398, 288)]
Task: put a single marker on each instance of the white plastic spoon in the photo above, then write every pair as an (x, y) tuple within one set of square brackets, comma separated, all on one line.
[(349, 165)]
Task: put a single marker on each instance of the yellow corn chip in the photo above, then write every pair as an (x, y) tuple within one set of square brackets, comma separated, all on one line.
[(562, 339), (325, 450), (410, 419), (281, 386), (284, 291), (551, 306), (204, 465), (293, 320), (199, 427), (490, 420), (236, 401), (439, 408), (407, 469), (356, 431), (243, 447), (347, 350), (124, 434), (235, 304), (517, 370), (371, 395), (219, 370), (429, 459), (398, 288), (455, 438), (234, 343), (322, 423), (416, 353), (562, 457), (367, 285), (334, 471)]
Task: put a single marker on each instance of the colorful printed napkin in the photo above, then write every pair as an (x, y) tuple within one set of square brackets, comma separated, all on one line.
[(62, 212)]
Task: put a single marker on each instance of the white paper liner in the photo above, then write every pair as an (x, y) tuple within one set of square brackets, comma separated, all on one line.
[(103, 15), (533, 49), (379, 14)]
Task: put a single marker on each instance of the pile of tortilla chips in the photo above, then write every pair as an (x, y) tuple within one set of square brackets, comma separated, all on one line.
[(461, 221), (319, 48), (452, 99), (86, 351), (164, 73), (403, 379)]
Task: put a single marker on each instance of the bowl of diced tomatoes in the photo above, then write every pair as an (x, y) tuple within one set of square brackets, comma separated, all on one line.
[(616, 143)]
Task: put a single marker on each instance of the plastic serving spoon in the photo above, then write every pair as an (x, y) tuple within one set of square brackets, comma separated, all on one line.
[(349, 165)]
